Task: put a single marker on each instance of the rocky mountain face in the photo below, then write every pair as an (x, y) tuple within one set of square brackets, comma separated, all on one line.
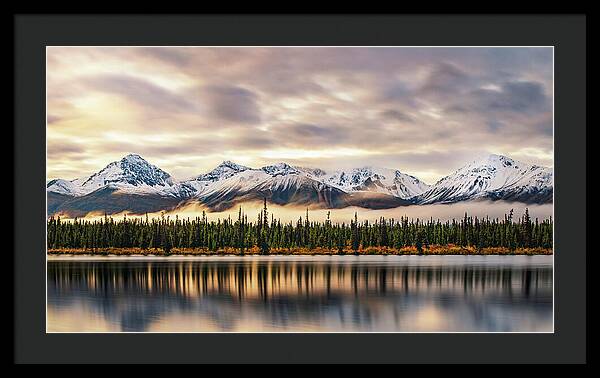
[(130, 174), (132, 184), (493, 177), (380, 180)]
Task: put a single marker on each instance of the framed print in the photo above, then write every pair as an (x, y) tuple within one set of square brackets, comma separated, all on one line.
[(309, 191)]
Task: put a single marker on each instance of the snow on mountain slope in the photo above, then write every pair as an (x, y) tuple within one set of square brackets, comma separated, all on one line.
[(280, 183), (281, 169), (494, 177), (223, 171), (207, 182), (380, 180), (273, 177), (229, 177), (312, 172), (132, 174), (284, 184), (69, 188)]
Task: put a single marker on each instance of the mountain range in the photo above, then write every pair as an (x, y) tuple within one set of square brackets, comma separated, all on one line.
[(134, 185)]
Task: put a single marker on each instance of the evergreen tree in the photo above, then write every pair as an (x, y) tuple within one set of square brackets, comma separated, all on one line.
[(264, 243), (167, 244), (355, 241), (199, 233)]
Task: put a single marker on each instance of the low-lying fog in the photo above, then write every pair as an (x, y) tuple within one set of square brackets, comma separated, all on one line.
[(442, 212)]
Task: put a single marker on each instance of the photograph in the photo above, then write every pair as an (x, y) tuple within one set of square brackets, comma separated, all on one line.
[(299, 189)]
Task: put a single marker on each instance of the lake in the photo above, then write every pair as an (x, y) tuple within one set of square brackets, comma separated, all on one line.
[(300, 294)]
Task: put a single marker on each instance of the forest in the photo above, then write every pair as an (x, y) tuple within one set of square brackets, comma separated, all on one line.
[(267, 235)]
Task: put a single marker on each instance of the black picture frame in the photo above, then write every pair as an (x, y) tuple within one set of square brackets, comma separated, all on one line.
[(567, 33)]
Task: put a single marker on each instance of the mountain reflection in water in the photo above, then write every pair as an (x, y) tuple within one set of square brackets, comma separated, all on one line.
[(314, 294)]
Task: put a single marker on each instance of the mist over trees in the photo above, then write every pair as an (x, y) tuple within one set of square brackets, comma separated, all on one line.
[(267, 234)]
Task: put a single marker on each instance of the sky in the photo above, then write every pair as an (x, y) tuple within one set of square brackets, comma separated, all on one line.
[(423, 111)]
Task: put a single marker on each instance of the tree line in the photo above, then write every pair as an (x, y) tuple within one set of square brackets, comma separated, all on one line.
[(269, 233)]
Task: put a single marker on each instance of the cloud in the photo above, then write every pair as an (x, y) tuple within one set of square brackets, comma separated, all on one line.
[(397, 115), (520, 106), (309, 131), (396, 90), (292, 135), (421, 110), (519, 96), (60, 149), (50, 118), (444, 78), (167, 54), (495, 125), (142, 92), (232, 103)]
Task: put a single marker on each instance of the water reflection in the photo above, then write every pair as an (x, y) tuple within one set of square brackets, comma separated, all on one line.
[(317, 294)]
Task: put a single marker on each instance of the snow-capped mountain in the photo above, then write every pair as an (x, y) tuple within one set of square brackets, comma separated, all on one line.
[(223, 171), (493, 177), (204, 183), (380, 180), (281, 169), (131, 174), (280, 183), (69, 188), (134, 184), (130, 184), (230, 183), (284, 184)]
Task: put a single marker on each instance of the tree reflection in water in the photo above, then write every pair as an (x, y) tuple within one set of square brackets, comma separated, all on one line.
[(304, 295)]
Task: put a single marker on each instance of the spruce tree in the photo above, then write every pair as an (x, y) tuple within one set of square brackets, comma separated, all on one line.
[(264, 243), (355, 236)]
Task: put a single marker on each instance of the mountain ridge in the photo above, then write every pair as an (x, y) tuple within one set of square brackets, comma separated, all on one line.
[(494, 177)]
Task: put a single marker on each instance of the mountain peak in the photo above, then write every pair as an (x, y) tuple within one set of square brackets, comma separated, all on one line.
[(493, 176), (317, 172), (493, 162), (222, 171), (281, 164), (232, 165), (132, 171), (382, 180), (133, 158), (494, 158), (280, 169)]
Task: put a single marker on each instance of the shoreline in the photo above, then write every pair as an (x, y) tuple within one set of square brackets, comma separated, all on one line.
[(408, 251)]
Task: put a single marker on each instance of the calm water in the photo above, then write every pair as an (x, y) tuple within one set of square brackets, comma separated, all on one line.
[(301, 294)]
